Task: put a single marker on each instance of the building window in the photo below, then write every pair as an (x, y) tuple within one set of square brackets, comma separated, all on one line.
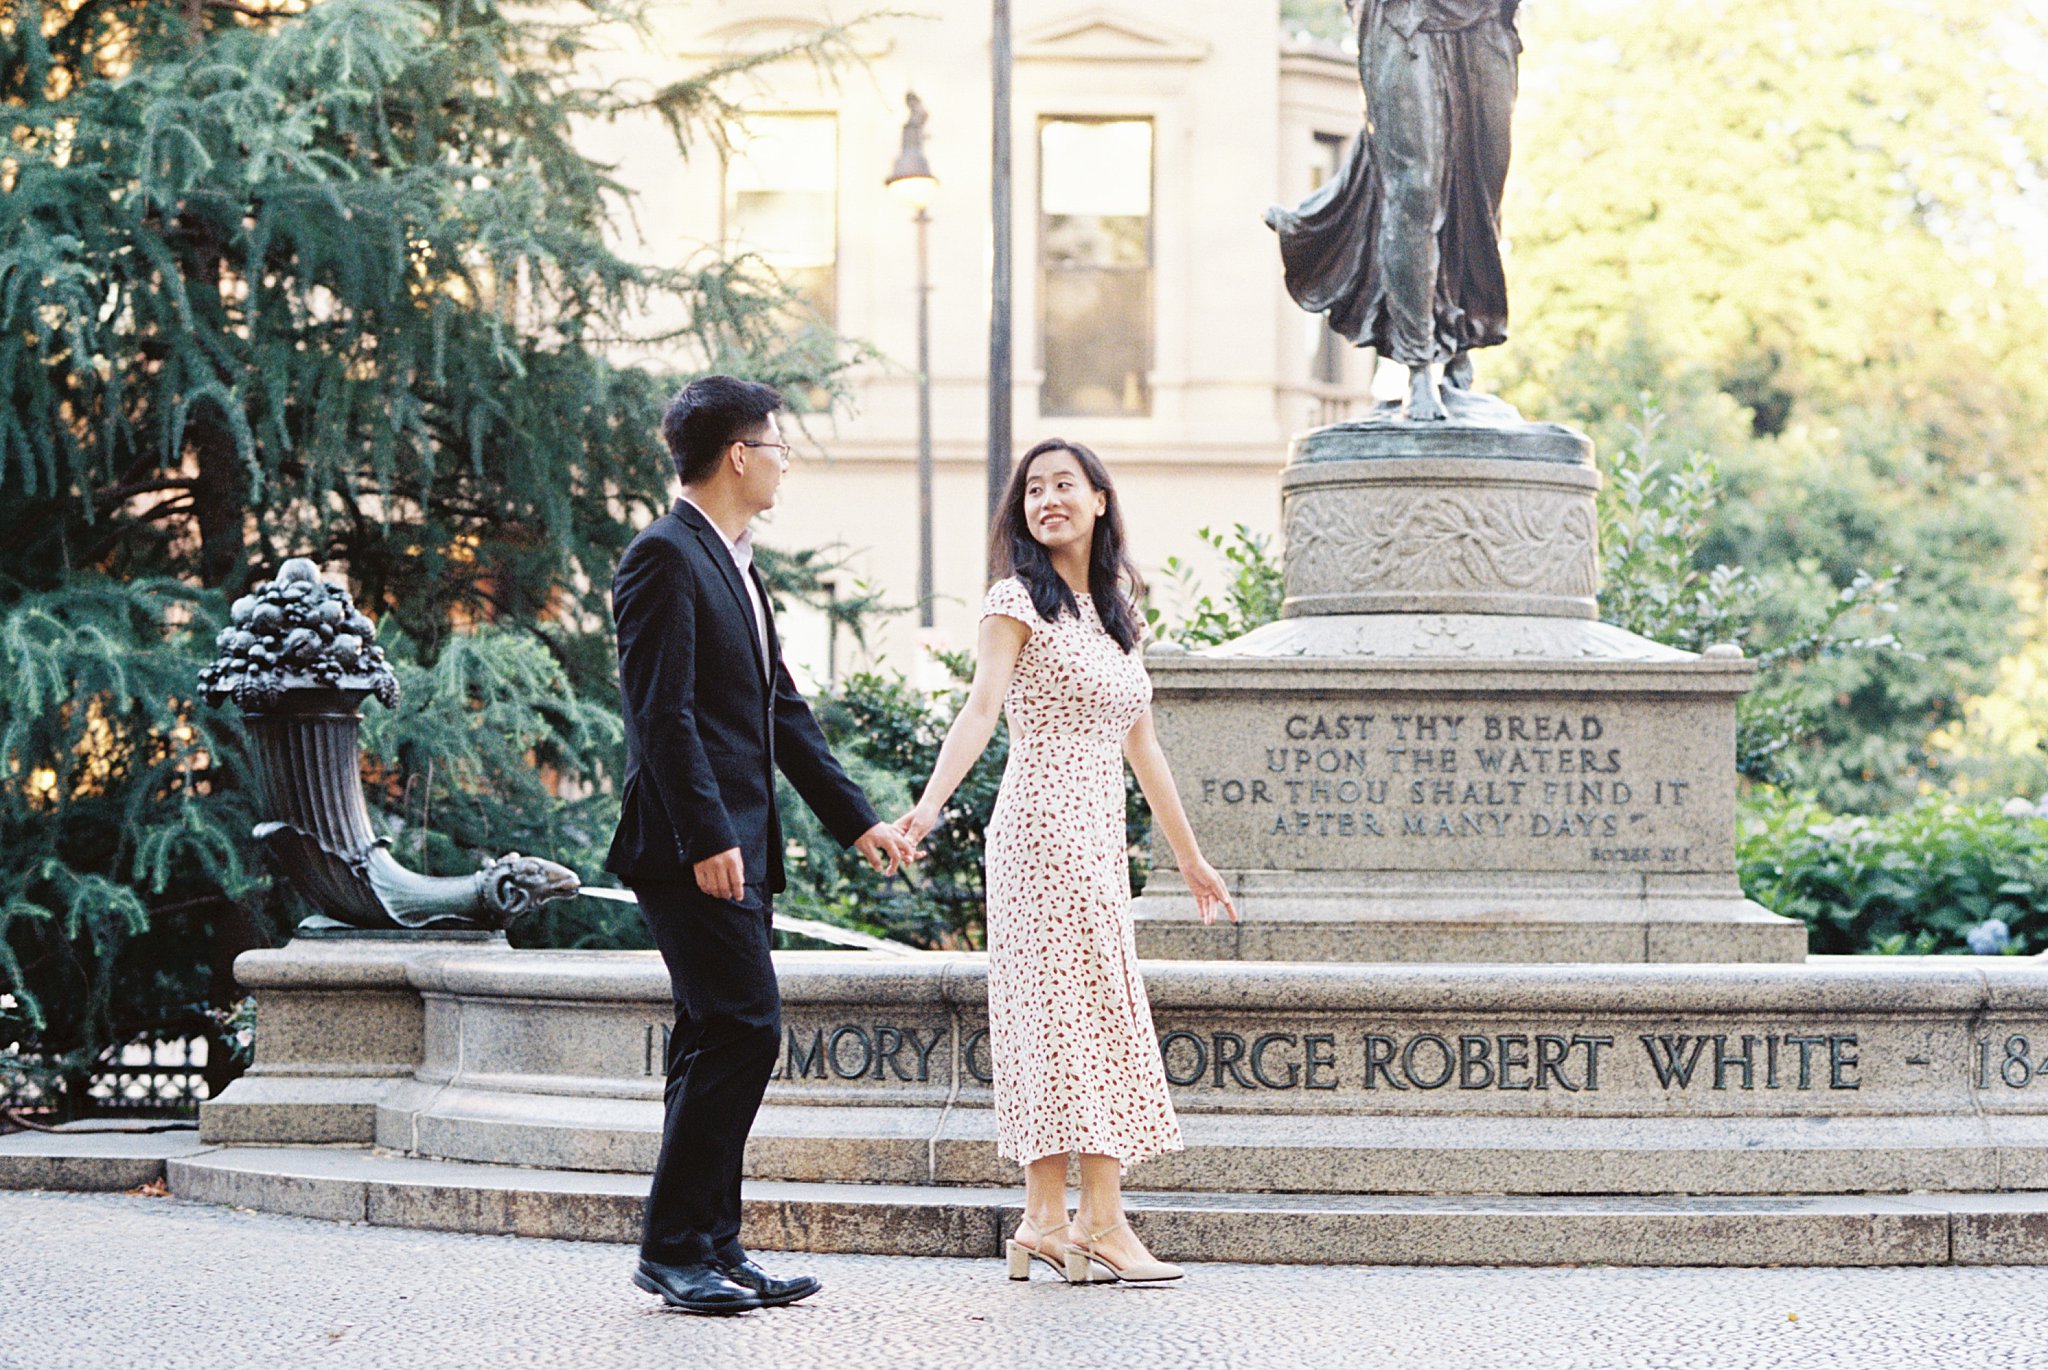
[(782, 202), (1326, 356), (1095, 265)]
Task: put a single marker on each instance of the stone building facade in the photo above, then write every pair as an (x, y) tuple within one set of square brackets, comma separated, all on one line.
[(1150, 320)]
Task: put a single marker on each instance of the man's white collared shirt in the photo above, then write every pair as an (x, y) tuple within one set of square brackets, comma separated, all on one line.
[(742, 553)]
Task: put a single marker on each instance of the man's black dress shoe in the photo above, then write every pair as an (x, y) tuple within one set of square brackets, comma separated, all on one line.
[(696, 1288), (772, 1292)]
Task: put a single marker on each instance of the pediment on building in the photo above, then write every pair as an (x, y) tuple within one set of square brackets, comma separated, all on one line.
[(1103, 34), (770, 32)]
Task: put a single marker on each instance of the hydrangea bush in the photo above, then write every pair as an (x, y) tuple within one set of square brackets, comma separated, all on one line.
[(1939, 877)]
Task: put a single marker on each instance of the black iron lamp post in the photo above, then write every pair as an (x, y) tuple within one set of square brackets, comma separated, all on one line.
[(999, 276), (912, 182)]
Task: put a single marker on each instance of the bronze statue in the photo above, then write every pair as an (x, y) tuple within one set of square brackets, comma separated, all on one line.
[(1401, 249)]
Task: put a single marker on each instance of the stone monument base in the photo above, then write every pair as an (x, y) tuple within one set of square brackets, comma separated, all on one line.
[(1404, 916), (1457, 787), (1438, 752), (1332, 1112)]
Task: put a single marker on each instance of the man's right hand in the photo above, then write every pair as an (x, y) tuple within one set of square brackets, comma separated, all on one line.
[(723, 876)]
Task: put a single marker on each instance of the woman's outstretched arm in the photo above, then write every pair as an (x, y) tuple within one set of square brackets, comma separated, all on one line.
[(995, 661), (1155, 778)]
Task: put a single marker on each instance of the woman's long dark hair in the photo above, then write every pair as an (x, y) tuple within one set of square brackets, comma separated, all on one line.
[(1113, 580)]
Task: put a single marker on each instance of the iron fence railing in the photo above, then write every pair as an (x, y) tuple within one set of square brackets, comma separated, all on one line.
[(165, 1077)]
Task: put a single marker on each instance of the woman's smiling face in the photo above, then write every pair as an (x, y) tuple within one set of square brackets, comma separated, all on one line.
[(1060, 506)]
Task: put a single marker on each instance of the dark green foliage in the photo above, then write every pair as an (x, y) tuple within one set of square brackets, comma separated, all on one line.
[(888, 733), (478, 738), (336, 285), (1916, 880), (124, 820), (1657, 520), (1250, 600), (1812, 520)]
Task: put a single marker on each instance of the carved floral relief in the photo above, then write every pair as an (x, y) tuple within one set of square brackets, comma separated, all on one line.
[(1396, 539)]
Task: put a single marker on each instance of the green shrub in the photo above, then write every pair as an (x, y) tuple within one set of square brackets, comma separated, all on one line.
[(1251, 599), (1914, 881), (887, 734), (126, 883)]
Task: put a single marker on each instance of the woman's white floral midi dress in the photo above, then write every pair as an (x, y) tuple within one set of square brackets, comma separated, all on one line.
[(1075, 1058)]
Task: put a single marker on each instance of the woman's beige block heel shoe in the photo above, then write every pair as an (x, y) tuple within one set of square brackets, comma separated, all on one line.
[(1020, 1259), (1021, 1256), (1083, 1260)]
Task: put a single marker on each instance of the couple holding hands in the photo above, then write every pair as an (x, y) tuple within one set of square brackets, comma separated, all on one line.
[(711, 713)]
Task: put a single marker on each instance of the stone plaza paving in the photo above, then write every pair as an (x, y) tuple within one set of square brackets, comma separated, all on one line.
[(142, 1283)]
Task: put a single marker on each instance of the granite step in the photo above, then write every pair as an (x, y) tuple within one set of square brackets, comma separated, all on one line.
[(358, 1185), (1454, 1154), (1292, 1153), (92, 1156)]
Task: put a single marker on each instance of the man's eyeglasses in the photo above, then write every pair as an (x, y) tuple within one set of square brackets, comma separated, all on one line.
[(781, 449)]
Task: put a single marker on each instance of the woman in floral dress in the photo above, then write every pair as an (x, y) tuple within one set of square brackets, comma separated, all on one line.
[(1077, 1065)]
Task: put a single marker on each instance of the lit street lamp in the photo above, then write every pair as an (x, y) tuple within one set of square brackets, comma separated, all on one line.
[(912, 182)]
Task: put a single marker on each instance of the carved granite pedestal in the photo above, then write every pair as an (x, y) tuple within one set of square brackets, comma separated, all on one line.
[(1438, 753)]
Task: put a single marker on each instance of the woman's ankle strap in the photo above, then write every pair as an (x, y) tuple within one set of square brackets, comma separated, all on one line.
[(1095, 1237)]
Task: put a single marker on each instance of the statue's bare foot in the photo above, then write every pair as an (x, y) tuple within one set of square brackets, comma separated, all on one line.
[(1423, 404), (1458, 372)]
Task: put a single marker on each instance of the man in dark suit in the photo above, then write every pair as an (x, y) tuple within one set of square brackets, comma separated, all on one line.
[(711, 713)]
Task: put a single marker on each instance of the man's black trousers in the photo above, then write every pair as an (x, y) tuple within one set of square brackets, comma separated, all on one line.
[(728, 1032)]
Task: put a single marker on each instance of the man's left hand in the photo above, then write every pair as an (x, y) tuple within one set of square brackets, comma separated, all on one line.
[(885, 848)]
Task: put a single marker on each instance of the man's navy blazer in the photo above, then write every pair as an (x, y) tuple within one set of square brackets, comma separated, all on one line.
[(705, 728)]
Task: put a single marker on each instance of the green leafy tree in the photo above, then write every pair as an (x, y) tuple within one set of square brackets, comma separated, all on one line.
[(1809, 240), (1809, 518), (330, 281), (1825, 214), (1659, 580)]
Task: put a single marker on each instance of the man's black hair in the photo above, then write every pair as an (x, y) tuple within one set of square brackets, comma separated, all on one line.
[(709, 414)]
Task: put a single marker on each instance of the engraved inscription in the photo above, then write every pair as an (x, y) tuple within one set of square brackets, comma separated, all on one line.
[(850, 1051), (1470, 775), (2009, 1063), (1576, 1061)]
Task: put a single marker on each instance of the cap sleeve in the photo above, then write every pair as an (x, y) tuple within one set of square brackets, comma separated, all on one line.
[(1009, 598)]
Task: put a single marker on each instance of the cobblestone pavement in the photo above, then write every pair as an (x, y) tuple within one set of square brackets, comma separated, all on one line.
[(124, 1281)]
